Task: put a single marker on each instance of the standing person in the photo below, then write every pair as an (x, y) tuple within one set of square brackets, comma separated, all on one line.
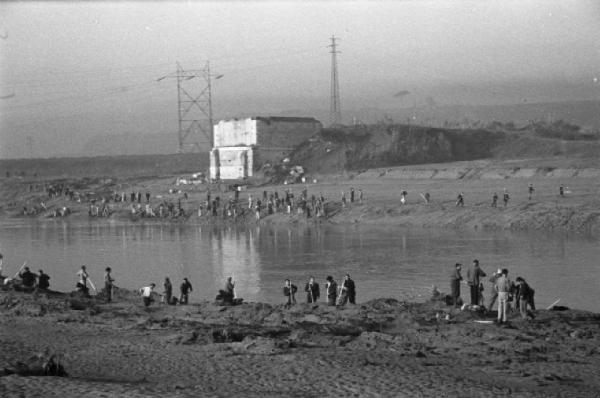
[(43, 281), (561, 190), (289, 291), (312, 290), (524, 297), (530, 190), (83, 278), (168, 295), (473, 275), (505, 197), (108, 284), (139, 197), (503, 287), (147, 197), (348, 291), (230, 289), (185, 289), (351, 194), (460, 200), (495, 200), (494, 296), (147, 294), (343, 199), (403, 197), (257, 210), (360, 196), (455, 278), (331, 286)]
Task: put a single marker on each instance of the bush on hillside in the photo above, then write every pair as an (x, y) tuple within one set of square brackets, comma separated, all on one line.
[(562, 130)]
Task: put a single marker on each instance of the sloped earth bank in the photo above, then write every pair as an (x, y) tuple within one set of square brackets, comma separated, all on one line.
[(578, 211), (379, 348)]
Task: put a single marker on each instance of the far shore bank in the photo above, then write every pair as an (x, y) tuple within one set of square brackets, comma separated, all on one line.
[(577, 211)]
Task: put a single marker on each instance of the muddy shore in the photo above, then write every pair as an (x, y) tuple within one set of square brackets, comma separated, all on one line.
[(575, 212), (380, 348)]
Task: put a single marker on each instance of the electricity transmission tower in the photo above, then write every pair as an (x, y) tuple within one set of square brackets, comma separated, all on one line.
[(194, 108), (335, 109)]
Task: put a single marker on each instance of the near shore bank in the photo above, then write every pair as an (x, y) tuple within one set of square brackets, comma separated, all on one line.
[(379, 348)]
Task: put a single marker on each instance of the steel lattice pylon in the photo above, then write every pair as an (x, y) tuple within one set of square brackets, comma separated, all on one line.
[(336, 109), (194, 108)]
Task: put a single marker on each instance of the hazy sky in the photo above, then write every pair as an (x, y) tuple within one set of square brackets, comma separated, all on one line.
[(71, 70)]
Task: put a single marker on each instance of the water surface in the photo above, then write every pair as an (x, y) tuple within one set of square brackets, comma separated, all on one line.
[(384, 261)]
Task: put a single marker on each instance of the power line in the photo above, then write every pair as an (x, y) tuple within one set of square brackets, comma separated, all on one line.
[(89, 96)]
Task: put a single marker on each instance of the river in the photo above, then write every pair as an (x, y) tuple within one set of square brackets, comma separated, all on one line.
[(383, 261)]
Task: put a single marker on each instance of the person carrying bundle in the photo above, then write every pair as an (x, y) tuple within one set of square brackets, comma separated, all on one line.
[(347, 292), (147, 294), (82, 283)]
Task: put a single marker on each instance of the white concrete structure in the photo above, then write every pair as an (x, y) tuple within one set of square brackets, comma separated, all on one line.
[(231, 163), (243, 145)]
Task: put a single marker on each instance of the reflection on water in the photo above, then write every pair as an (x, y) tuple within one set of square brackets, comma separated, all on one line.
[(384, 261)]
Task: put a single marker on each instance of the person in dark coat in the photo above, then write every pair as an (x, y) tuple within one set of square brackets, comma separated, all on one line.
[(43, 281), (505, 197), (460, 200), (348, 292), (289, 291), (168, 294), (230, 288), (331, 287), (108, 284), (28, 278), (524, 296), (185, 289), (312, 291), (455, 278), (495, 200), (473, 279)]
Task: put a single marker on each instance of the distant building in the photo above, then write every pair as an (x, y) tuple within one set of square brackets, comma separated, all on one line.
[(244, 145)]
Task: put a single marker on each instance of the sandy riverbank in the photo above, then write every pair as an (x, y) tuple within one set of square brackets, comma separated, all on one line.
[(379, 348), (576, 212)]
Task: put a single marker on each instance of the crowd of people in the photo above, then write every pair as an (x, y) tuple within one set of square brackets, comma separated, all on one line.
[(269, 203), (510, 295), (460, 198), (334, 295), (257, 206)]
